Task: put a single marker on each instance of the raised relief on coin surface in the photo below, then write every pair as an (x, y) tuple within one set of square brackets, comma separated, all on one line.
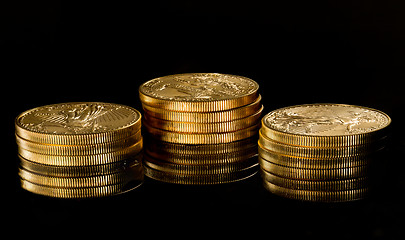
[(199, 87), (77, 118), (326, 120)]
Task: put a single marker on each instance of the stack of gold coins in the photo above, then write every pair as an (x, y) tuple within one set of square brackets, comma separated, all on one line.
[(79, 150), (201, 128), (320, 152)]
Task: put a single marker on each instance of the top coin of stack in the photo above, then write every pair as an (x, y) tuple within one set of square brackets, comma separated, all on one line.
[(320, 152), (77, 150), (201, 127)]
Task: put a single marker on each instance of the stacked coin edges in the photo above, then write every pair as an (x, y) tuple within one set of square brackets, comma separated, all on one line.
[(201, 142), (80, 165), (318, 168)]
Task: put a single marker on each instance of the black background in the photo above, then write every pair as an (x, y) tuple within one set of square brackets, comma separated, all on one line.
[(298, 51)]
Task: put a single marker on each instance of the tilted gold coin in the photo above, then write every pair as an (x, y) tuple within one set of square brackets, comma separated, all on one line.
[(318, 152), (78, 171), (314, 174), (160, 147), (313, 163), (78, 150), (200, 179), (325, 125), (193, 127), (194, 159), (311, 185), (86, 192), (82, 160), (197, 169), (130, 173), (80, 123), (204, 117), (198, 92), (201, 138), (317, 196)]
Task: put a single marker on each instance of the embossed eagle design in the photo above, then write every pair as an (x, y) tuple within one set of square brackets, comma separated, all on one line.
[(78, 119), (324, 120)]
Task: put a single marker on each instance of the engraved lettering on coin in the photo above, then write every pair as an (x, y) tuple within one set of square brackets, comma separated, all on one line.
[(78, 118), (326, 120), (199, 87)]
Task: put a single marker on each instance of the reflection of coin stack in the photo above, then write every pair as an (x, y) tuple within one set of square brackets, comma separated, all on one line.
[(320, 152), (79, 150), (200, 128)]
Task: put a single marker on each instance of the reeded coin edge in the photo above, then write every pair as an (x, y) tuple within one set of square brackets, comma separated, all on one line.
[(317, 196), (311, 185), (313, 174)]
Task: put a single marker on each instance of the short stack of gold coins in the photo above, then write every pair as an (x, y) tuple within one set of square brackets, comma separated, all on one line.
[(79, 150), (320, 152), (200, 128)]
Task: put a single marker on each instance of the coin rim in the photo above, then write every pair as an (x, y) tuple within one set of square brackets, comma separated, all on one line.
[(340, 138), (198, 106), (82, 138)]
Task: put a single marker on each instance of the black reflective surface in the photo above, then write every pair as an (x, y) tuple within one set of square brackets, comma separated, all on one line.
[(298, 52)]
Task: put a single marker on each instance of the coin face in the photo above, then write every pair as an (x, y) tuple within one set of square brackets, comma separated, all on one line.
[(78, 118), (197, 87), (326, 120)]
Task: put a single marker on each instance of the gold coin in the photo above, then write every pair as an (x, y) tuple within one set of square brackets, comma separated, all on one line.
[(193, 127), (204, 117), (325, 125), (331, 185), (318, 152), (202, 138), (313, 163), (198, 92), (199, 169), (314, 174), (82, 160), (160, 147), (193, 158), (200, 179), (78, 150), (78, 171), (317, 196), (129, 174), (81, 123), (91, 192)]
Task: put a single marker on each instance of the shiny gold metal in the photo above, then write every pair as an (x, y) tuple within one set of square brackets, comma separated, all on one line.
[(200, 179), (325, 125), (313, 163), (121, 177), (78, 150), (314, 174), (317, 196), (198, 92), (160, 147), (82, 160), (78, 171), (80, 123), (203, 159), (206, 116), (318, 152), (311, 185), (193, 127), (200, 169), (203, 138), (90, 192)]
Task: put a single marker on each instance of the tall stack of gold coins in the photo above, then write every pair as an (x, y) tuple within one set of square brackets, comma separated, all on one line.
[(201, 128), (320, 152), (79, 150)]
